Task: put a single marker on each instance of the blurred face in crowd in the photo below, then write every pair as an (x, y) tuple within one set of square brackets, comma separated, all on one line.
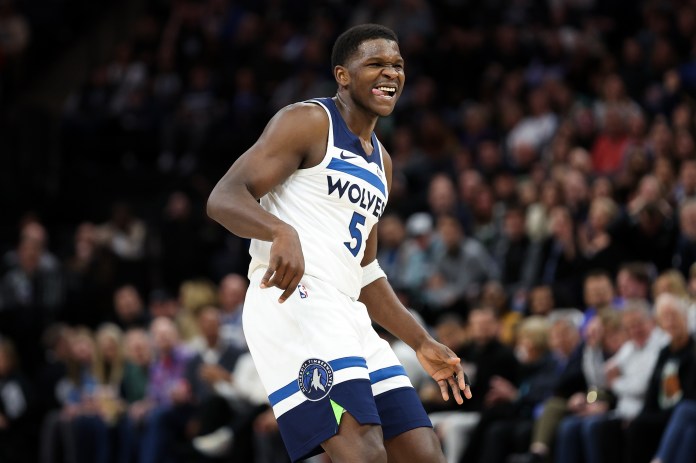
[(493, 295), (127, 303), (687, 176), (29, 254), (563, 338), (638, 326), (209, 324), (451, 333), (594, 332), (232, 292), (687, 220), (82, 348), (108, 343), (441, 195), (614, 337), (391, 231), (541, 300), (630, 287), (450, 231), (483, 326), (164, 334), (560, 223), (602, 211), (138, 347), (514, 224), (598, 291), (671, 317)]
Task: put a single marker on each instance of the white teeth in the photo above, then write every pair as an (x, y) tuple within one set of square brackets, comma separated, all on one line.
[(387, 89)]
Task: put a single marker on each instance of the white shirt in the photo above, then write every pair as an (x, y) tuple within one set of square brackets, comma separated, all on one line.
[(636, 365)]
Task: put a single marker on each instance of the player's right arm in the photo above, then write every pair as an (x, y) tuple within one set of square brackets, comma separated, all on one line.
[(295, 137)]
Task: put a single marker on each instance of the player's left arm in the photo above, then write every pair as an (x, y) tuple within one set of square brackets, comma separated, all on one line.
[(385, 309)]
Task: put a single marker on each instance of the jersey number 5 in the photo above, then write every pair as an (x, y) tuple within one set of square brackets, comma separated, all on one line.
[(354, 244)]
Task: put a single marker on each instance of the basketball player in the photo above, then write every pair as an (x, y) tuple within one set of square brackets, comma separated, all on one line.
[(308, 193)]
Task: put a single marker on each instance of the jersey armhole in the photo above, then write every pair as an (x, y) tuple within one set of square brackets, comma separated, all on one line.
[(329, 142)]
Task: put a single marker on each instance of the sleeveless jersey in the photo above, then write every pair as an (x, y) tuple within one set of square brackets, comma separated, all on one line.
[(333, 206)]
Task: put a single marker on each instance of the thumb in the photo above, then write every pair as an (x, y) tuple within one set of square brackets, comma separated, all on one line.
[(453, 360)]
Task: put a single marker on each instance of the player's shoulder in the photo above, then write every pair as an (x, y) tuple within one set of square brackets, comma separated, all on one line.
[(304, 113)]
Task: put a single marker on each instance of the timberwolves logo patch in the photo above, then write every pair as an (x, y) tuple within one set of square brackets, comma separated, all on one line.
[(316, 379)]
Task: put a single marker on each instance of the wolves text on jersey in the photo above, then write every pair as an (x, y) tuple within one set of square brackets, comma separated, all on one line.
[(356, 194)]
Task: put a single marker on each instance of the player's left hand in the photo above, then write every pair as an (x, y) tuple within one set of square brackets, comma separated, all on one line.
[(445, 368)]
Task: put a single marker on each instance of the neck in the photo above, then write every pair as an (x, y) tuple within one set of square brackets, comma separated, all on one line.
[(358, 120)]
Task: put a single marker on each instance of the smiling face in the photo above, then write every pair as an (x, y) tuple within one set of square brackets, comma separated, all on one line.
[(373, 77)]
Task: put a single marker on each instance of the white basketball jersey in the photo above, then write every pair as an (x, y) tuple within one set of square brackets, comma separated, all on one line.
[(333, 206)]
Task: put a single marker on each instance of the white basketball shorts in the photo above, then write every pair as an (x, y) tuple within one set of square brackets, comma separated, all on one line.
[(318, 356)]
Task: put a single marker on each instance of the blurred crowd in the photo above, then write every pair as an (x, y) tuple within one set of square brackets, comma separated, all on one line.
[(542, 223)]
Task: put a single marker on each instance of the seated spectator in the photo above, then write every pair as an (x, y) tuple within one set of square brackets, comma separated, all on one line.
[(673, 370), (129, 308), (31, 293), (506, 422), (578, 389), (418, 250), (627, 373), (633, 282), (598, 293), (483, 357), (461, 267), (16, 409), (600, 248), (193, 296), (507, 311), (673, 282), (561, 261), (515, 253), (167, 388), (137, 352), (231, 294), (125, 235)]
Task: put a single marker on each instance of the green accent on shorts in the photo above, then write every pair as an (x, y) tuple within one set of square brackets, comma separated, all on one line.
[(338, 411)]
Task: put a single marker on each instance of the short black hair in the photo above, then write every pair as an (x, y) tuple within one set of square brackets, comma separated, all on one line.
[(348, 42)]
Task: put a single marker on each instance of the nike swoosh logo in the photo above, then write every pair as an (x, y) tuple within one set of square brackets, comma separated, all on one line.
[(343, 156)]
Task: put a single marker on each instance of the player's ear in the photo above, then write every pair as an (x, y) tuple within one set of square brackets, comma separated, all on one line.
[(341, 75)]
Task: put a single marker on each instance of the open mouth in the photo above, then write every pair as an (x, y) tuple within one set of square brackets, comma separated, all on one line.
[(384, 91)]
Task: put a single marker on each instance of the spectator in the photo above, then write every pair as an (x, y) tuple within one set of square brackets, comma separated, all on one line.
[(483, 357), (561, 262), (673, 369), (461, 266), (516, 254), (507, 421), (231, 295), (579, 392), (30, 296), (16, 409), (129, 309), (166, 389), (627, 374)]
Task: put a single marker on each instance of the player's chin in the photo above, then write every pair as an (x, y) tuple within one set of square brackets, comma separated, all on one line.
[(384, 109), (384, 106)]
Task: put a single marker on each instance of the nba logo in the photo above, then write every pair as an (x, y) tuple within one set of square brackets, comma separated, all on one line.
[(303, 291)]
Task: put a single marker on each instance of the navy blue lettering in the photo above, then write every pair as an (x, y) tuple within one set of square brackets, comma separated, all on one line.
[(368, 201), (340, 185), (354, 189)]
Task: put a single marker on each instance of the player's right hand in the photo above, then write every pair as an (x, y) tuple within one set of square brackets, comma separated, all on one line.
[(286, 264)]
